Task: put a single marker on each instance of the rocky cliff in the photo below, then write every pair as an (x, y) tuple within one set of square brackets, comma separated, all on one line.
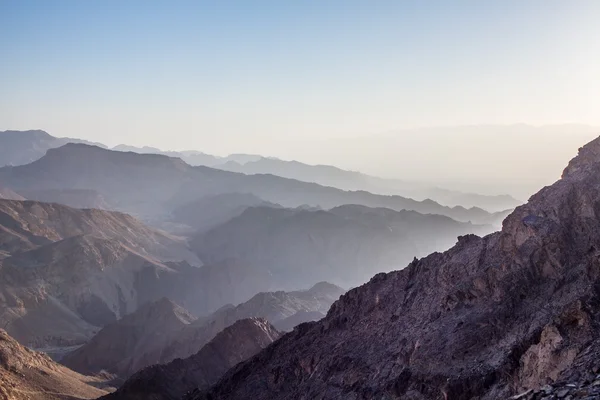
[(490, 318)]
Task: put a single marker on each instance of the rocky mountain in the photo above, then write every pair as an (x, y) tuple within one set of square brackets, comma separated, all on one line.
[(116, 346), (171, 381), (345, 245), (25, 225), (492, 317), (24, 147), (151, 186), (157, 334), (67, 272), (28, 375)]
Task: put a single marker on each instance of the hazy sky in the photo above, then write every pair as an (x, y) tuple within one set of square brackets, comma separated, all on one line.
[(256, 76)]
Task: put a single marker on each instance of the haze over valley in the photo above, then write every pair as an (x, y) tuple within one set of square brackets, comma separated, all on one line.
[(341, 200)]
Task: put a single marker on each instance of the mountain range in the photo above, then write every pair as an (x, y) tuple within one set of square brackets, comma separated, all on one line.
[(28, 146), (151, 186), (162, 331), (345, 245), (490, 318)]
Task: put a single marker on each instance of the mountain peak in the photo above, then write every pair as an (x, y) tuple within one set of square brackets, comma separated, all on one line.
[(589, 156)]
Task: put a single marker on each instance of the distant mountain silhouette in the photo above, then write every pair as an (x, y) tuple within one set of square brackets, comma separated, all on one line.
[(24, 147), (345, 245), (151, 186)]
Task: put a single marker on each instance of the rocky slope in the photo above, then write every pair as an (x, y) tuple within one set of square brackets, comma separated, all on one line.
[(151, 186), (171, 381), (66, 272), (490, 318), (116, 346), (345, 245), (153, 335), (25, 225), (28, 375)]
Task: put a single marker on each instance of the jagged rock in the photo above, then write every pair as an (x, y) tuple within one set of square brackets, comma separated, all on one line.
[(490, 318), (236, 343)]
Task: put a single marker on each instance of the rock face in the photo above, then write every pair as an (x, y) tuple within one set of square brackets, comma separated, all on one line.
[(28, 375), (115, 347), (171, 381), (490, 318), (154, 335), (345, 245), (151, 186)]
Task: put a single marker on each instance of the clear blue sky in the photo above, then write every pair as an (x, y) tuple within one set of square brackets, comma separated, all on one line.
[(227, 76)]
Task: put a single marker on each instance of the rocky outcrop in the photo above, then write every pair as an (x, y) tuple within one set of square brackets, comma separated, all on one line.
[(489, 318), (171, 381), (345, 245), (149, 337), (28, 375)]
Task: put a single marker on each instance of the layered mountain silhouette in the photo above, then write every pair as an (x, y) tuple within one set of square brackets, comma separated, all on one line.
[(345, 245), (211, 211), (492, 317), (233, 345), (161, 331), (151, 186), (263, 169), (24, 147), (28, 375)]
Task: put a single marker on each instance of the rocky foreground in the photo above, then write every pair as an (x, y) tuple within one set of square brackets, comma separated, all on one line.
[(491, 318)]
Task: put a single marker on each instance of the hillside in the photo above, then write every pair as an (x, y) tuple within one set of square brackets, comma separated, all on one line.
[(28, 375), (506, 313), (171, 381), (156, 333)]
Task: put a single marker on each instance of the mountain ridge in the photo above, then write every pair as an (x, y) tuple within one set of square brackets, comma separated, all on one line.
[(505, 312)]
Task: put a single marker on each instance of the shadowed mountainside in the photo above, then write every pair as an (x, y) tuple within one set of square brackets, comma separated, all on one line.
[(171, 381), (489, 318), (156, 334), (345, 245)]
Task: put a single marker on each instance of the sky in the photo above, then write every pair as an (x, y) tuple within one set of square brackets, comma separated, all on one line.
[(263, 76)]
